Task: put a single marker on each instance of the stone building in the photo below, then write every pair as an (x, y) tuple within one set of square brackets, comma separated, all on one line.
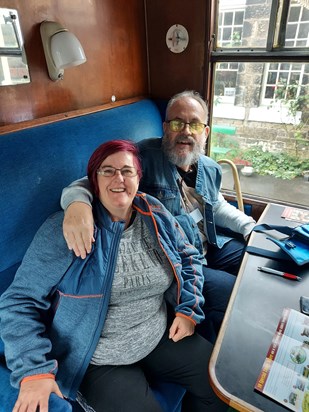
[(267, 104)]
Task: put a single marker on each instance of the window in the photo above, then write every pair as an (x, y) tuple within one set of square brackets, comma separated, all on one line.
[(285, 81), (225, 85), (13, 62), (230, 28), (260, 107), (297, 26)]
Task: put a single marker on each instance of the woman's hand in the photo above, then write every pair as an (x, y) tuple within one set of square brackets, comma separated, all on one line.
[(34, 395), (78, 228), (181, 327)]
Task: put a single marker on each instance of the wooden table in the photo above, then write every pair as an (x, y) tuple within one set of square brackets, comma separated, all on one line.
[(254, 311)]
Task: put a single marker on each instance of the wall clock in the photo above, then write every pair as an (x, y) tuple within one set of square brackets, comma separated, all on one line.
[(177, 38)]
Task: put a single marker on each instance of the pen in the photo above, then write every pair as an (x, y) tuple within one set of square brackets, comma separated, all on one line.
[(278, 273)]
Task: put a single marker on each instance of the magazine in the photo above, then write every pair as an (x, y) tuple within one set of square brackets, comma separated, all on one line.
[(285, 372), (297, 215)]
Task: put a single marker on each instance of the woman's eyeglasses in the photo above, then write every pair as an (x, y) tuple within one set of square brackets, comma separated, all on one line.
[(109, 171)]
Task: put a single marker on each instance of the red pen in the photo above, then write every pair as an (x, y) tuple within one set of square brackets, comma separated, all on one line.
[(278, 273)]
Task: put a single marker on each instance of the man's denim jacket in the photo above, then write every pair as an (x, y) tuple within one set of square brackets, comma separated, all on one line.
[(160, 180)]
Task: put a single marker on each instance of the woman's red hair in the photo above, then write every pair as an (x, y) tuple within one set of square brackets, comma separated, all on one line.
[(108, 149)]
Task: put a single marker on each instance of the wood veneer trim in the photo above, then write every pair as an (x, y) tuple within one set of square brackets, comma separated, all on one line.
[(67, 115)]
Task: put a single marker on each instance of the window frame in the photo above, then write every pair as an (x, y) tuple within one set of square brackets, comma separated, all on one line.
[(14, 21), (273, 52)]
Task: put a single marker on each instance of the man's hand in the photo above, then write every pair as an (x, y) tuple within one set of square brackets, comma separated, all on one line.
[(181, 327), (34, 395), (78, 228)]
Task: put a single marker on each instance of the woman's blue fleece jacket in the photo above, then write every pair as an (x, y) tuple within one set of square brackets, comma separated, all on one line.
[(52, 315)]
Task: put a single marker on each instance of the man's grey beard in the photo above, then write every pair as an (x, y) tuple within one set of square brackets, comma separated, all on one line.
[(168, 147)]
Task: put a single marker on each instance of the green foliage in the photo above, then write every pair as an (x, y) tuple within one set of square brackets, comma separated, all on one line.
[(220, 139), (236, 39), (287, 94), (295, 98), (281, 165), (291, 98)]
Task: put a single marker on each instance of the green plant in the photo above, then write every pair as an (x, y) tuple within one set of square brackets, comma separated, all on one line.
[(280, 165), (295, 99), (221, 139), (292, 95), (235, 39)]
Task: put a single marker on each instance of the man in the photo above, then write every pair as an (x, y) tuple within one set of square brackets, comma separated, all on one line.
[(176, 171)]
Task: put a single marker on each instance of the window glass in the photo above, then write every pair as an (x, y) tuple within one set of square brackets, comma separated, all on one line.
[(260, 113), (297, 30), (8, 35), (243, 24), (264, 125), (13, 61)]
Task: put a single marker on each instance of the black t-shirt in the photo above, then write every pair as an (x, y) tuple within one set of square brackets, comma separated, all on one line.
[(189, 177)]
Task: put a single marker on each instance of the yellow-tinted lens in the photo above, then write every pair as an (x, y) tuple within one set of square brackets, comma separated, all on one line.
[(176, 125), (197, 127), (179, 125)]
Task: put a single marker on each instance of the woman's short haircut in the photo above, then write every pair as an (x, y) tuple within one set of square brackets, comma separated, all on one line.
[(108, 149)]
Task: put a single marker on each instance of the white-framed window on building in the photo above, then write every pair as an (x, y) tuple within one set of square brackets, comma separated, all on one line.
[(297, 26), (260, 105), (230, 28), (284, 80), (225, 82), (287, 81)]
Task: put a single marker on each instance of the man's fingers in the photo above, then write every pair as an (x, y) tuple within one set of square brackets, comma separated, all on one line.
[(70, 240), (78, 228), (80, 241), (87, 241), (76, 244), (79, 248)]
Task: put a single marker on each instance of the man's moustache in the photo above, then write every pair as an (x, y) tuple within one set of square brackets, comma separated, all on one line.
[(184, 139)]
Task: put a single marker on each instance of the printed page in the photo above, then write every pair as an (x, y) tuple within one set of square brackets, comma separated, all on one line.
[(285, 372), (295, 214)]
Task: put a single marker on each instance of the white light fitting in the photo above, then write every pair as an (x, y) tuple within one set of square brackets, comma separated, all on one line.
[(61, 48)]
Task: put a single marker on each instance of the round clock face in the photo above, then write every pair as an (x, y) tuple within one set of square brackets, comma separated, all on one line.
[(177, 38)]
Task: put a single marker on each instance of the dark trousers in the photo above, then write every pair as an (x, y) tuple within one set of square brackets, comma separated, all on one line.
[(126, 388), (222, 267), (228, 258)]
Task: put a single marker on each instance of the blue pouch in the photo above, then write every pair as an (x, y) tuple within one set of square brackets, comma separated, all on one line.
[(295, 245)]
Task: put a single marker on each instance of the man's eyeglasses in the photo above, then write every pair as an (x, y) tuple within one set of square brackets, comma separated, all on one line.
[(194, 127), (109, 171)]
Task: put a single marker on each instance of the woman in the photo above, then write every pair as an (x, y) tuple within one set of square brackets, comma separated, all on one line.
[(110, 333)]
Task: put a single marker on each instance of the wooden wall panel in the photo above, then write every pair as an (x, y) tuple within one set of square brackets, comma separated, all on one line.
[(171, 73), (113, 36)]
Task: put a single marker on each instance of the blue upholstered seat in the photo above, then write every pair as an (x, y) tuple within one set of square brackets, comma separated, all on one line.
[(36, 163)]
